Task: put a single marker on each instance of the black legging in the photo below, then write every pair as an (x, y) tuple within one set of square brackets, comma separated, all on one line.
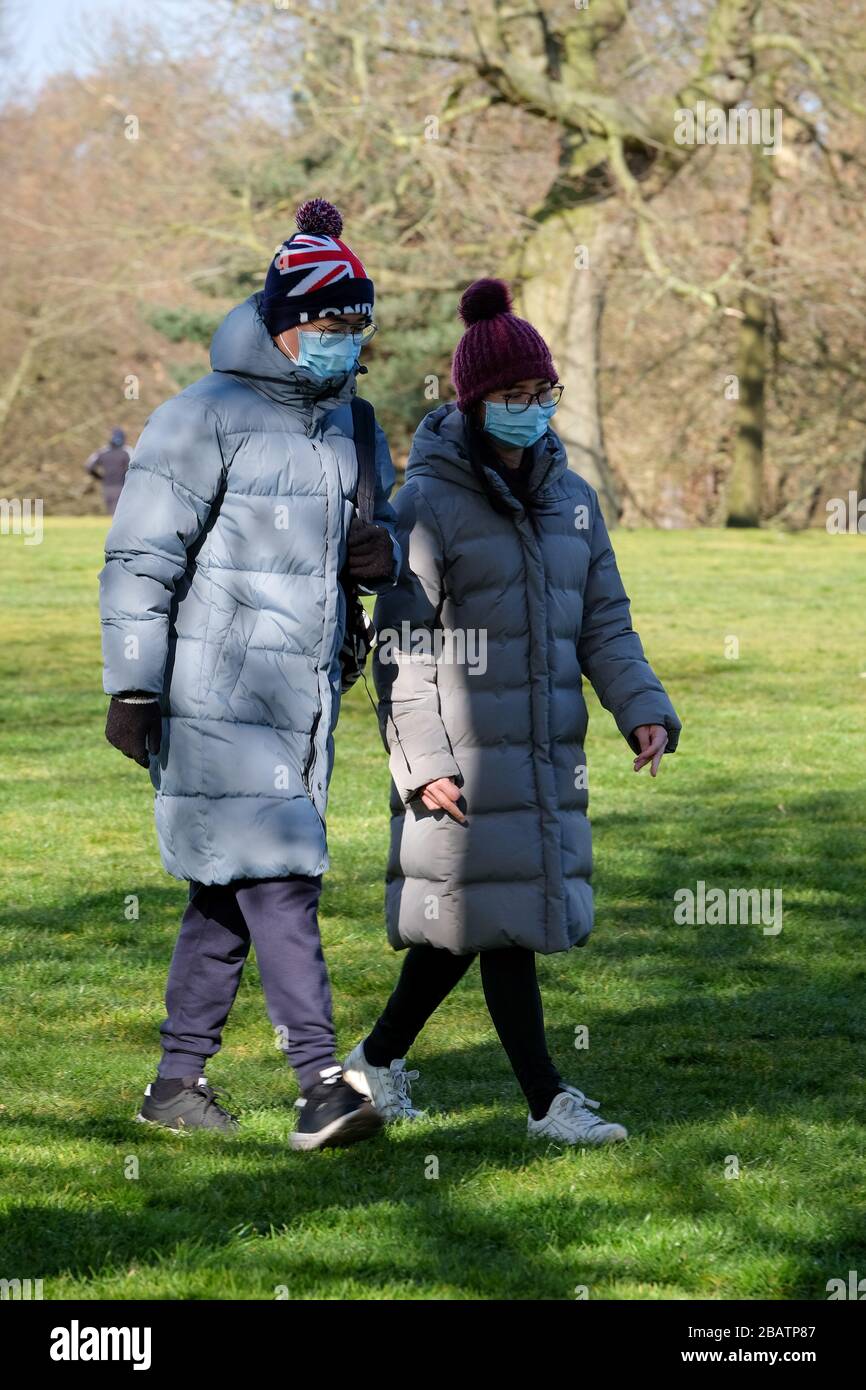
[(513, 998)]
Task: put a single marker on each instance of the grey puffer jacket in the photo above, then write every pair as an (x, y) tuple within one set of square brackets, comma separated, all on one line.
[(220, 595), (482, 648)]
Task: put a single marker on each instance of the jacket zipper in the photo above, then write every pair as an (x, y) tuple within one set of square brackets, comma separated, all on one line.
[(312, 753), (311, 756)]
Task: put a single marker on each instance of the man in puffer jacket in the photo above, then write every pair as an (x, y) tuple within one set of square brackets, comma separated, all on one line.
[(223, 615)]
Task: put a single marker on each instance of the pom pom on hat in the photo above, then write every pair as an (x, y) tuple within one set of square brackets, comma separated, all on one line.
[(497, 347), (484, 299), (319, 218)]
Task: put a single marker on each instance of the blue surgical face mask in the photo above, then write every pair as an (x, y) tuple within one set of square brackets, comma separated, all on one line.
[(334, 357), (521, 430)]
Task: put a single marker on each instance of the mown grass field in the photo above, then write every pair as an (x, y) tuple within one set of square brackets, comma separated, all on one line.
[(707, 1041)]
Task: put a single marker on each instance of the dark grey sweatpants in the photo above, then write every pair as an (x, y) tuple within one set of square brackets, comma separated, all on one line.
[(279, 916)]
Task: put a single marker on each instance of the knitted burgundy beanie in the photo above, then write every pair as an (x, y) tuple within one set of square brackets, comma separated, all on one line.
[(497, 348)]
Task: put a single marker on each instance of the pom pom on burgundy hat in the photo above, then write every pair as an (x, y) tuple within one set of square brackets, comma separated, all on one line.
[(484, 299)]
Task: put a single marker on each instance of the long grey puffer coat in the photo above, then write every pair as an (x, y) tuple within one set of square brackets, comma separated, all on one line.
[(220, 595), (542, 590)]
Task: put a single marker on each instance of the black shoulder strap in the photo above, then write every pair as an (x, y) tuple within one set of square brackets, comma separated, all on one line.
[(364, 430)]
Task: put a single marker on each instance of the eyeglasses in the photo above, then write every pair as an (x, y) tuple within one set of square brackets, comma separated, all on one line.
[(359, 334), (518, 401)]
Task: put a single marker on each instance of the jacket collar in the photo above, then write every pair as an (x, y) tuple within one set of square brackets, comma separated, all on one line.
[(440, 449), (243, 347)]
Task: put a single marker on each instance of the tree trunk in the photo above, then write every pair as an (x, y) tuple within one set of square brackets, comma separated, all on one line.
[(14, 384), (564, 298), (746, 483)]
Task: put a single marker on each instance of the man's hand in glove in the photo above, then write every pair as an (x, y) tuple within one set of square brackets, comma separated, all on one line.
[(134, 725), (371, 553)]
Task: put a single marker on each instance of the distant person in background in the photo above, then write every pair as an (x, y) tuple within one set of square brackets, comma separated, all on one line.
[(109, 465)]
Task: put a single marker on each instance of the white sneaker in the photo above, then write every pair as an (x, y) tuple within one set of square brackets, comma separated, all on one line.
[(569, 1121), (387, 1087)]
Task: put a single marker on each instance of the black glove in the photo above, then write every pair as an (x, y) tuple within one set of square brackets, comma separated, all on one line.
[(133, 728), (371, 554)]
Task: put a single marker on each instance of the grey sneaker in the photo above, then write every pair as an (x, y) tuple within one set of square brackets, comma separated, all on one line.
[(570, 1121), (388, 1088), (196, 1106)]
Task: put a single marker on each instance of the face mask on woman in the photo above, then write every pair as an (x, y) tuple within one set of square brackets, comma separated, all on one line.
[(520, 430), (335, 356)]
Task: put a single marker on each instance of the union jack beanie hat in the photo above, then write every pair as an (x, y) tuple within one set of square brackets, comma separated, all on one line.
[(314, 274), (497, 348)]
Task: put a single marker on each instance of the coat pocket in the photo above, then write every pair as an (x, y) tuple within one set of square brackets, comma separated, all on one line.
[(224, 655)]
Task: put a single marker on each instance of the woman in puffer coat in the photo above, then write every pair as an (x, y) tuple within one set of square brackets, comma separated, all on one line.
[(510, 594)]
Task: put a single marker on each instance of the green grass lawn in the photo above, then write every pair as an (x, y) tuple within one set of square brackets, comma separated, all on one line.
[(706, 1041)]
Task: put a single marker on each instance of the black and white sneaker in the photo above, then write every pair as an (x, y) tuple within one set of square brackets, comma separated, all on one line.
[(189, 1104), (333, 1114)]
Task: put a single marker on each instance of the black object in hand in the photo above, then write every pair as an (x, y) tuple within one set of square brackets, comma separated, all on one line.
[(134, 729), (371, 554)]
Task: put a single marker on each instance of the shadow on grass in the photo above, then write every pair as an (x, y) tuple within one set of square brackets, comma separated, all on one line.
[(260, 1219), (769, 1028)]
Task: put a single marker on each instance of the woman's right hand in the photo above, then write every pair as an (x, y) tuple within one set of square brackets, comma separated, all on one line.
[(443, 795)]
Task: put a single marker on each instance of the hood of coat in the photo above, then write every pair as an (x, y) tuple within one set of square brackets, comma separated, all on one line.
[(440, 449), (243, 346)]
